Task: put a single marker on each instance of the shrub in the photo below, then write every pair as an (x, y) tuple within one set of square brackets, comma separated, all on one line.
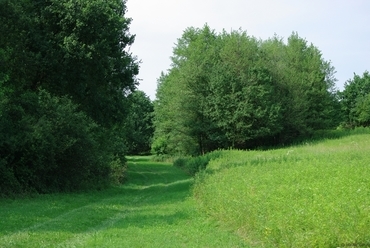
[(193, 165), (48, 145), (159, 146)]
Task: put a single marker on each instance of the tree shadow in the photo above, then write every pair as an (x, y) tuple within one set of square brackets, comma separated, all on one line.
[(145, 200)]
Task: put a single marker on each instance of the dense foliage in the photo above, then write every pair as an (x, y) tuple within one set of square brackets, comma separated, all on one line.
[(65, 76), (232, 90), (355, 100), (48, 145), (139, 123)]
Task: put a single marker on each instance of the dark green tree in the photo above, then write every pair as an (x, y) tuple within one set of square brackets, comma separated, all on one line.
[(355, 101), (75, 48), (48, 145), (65, 74), (139, 123), (98, 70)]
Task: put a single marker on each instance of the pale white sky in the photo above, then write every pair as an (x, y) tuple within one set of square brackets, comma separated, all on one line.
[(339, 28)]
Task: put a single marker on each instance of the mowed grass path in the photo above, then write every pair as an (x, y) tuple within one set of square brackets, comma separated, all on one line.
[(153, 209)]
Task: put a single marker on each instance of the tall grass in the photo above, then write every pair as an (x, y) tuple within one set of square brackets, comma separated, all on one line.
[(312, 195), (193, 165)]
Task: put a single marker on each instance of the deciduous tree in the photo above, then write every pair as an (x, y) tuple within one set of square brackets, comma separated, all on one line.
[(355, 100)]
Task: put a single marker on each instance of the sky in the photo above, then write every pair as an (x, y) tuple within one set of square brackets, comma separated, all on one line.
[(340, 29)]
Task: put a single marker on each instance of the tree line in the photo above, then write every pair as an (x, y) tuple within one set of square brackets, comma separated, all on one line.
[(231, 90), (70, 111)]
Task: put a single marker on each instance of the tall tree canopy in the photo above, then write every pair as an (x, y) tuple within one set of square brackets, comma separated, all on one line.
[(75, 48), (65, 74), (232, 90)]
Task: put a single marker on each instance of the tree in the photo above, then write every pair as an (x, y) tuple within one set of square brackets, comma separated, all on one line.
[(231, 90), (305, 86), (355, 100), (242, 101), (76, 48), (182, 94), (65, 74), (172, 135), (43, 146), (139, 123)]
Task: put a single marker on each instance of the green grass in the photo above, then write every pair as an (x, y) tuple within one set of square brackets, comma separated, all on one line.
[(312, 195), (316, 194), (153, 209)]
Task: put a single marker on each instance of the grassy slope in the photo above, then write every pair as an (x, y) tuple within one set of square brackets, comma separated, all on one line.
[(313, 195), (152, 209)]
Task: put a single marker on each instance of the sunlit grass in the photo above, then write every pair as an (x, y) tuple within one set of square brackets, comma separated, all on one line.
[(153, 209), (312, 195)]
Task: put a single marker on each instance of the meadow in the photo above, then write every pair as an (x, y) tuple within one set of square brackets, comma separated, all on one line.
[(316, 194), (153, 208)]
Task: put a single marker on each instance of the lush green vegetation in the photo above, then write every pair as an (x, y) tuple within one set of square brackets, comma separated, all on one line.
[(312, 195), (138, 124), (355, 101), (70, 113), (68, 86), (153, 209), (231, 90), (67, 107)]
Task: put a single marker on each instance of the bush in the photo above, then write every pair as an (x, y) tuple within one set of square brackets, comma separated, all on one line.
[(48, 145), (193, 165), (159, 146)]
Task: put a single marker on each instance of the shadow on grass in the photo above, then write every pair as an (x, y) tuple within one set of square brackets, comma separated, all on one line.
[(147, 199)]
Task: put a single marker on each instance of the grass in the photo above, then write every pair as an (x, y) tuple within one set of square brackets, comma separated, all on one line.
[(311, 195), (153, 209), (316, 194)]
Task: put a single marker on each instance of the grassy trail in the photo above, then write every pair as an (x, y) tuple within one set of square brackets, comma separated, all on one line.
[(153, 209)]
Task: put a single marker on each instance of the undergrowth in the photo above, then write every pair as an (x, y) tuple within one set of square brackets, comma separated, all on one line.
[(192, 165)]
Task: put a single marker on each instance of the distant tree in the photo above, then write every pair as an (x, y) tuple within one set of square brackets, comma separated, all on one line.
[(172, 135), (310, 84), (355, 100), (139, 123)]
